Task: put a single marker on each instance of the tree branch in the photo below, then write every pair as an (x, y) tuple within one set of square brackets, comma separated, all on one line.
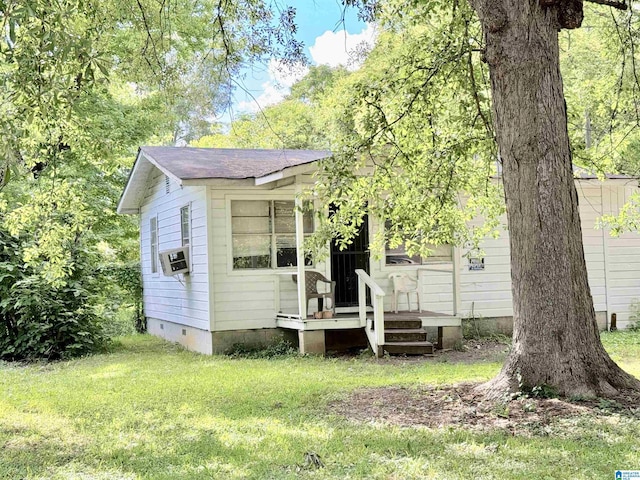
[(619, 4), (474, 87)]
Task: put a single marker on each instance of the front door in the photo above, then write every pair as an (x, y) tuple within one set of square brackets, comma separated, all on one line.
[(344, 264)]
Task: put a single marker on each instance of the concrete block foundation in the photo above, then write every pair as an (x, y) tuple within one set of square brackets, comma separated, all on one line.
[(191, 338), (485, 327), (449, 337), (209, 343), (312, 342), (224, 341)]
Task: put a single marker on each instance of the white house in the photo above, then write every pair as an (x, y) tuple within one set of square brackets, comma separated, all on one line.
[(234, 212)]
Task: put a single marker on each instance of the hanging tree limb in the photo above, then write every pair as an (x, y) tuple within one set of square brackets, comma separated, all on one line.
[(620, 5)]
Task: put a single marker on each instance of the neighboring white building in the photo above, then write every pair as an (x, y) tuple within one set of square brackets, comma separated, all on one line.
[(235, 212)]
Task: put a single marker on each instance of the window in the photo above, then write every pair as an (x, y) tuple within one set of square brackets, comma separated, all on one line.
[(167, 184), (264, 233), (185, 226), (399, 256), (153, 239)]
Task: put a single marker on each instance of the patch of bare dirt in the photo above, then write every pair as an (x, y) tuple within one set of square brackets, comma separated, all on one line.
[(460, 406), (472, 351)]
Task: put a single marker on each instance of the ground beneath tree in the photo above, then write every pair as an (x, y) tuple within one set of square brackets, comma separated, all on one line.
[(460, 406), (473, 351), (483, 350)]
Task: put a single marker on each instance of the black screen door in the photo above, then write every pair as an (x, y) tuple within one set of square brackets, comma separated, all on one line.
[(344, 264)]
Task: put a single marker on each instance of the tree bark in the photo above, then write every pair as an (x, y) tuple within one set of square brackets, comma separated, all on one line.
[(555, 340)]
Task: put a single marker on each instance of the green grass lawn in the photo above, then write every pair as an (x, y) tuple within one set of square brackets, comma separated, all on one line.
[(152, 410)]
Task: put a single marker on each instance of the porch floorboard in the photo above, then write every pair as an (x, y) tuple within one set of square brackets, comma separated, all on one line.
[(352, 320), (414, 315)]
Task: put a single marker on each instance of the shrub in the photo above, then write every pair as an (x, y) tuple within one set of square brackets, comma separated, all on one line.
[(128, 279), (118, 320), (40, 319)]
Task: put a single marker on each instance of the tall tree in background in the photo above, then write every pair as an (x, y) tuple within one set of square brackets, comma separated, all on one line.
[(601, 87), (295, 122), (83, 84)]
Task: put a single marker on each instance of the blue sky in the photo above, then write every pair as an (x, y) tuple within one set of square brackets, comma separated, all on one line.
[(315, 17), (327, 39)]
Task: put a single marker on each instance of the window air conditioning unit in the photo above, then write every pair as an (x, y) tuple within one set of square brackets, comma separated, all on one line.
[(175, 261)]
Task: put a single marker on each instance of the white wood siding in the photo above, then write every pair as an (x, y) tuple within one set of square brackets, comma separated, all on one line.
[(488, 293), (623, 259), (166, 298), (436, 288), (590, 203), (247, 299)]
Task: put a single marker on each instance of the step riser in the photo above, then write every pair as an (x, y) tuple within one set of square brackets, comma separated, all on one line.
[(405, 337), (402, 324), (408, 350)]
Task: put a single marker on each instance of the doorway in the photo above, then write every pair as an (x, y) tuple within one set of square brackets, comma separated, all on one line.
[(344, 264)]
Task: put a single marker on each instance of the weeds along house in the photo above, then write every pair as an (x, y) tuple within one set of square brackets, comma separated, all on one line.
[(220, 239)]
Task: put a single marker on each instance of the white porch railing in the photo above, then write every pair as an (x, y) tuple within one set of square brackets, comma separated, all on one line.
[(373, 328)]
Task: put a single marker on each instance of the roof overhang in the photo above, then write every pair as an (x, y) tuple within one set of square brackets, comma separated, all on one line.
[(137, 183), (287, 173), (136, 186)]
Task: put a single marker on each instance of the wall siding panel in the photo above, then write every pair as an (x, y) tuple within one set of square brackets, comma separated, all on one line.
[(249, 299), (184, 299)]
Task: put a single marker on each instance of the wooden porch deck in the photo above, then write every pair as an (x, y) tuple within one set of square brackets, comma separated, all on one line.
[(352, 320), (414, 315)]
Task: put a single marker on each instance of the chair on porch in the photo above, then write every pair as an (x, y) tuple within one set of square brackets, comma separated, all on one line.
[(311, 288), (403, 284)]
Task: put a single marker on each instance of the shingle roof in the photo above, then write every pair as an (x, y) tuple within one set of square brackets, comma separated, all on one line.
[(188, 163)]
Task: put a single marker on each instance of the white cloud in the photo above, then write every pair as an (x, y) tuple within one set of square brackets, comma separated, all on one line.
[(341, 48), (281, 78), (330, 48)]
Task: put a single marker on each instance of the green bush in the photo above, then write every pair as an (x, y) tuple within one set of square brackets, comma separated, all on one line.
[(125, 316), (118, 322), (39, 319)]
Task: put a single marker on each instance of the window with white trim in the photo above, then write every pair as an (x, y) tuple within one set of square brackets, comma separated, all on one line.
[(263, 233), (399, 256), (185, 225), (153, 240)]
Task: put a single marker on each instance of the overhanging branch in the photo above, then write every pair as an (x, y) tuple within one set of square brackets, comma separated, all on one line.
[(620, 5)]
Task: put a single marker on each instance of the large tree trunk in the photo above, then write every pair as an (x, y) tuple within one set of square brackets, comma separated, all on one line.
[(555, 340)]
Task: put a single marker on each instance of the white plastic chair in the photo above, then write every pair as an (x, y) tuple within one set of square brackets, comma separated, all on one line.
[(403, 284)]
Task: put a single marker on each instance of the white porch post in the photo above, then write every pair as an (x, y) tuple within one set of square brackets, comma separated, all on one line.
[(362, 301), (302, 292), (457, 301)]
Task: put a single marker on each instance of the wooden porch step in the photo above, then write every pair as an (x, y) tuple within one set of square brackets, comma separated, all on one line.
[(408, 348), (402, 324), (405, 335)]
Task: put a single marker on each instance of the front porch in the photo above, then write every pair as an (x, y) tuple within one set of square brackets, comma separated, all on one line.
[(362, 298), (404, 332), (311, 331)]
